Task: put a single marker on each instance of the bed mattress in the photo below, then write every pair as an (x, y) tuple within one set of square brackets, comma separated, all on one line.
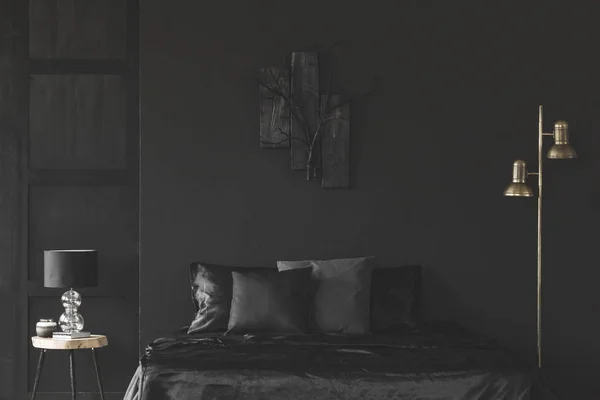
[(433, 362)]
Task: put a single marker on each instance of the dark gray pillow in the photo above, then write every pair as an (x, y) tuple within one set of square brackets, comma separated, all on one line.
[(395, 298), (211, 293), (269, 301), (340, 294)]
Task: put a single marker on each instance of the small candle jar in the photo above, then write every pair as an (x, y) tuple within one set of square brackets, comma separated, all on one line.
[(45, 327)]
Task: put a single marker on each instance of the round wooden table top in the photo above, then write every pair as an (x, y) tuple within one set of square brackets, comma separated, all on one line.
[(92, 342)]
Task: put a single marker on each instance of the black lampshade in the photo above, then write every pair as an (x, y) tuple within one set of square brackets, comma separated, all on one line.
[(70, 268)]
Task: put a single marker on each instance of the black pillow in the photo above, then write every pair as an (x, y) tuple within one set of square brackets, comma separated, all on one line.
[(340, 294), (395, 298), (211, 292), (269, 301)]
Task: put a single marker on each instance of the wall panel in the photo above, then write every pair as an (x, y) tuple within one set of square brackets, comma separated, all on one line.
[(77, 122), (99, 217), (77, 29)]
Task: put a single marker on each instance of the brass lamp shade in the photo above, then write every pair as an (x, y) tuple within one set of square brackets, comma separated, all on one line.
[(518, 187), (561, 152), (518, 190), (561, 149)]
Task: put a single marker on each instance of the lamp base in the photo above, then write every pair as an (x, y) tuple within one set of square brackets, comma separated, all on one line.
[(71, 320)]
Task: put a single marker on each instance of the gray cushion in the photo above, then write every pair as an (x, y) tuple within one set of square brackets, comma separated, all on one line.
[(340, 294), (269, 301)]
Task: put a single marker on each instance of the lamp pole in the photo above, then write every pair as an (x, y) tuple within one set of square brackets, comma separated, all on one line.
[(539, 175), (539, 240)]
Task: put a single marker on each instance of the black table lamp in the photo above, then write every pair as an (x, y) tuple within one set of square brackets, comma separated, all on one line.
[(69, 269)]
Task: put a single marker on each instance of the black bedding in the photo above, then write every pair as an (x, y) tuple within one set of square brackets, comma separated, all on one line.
[(433, 362)]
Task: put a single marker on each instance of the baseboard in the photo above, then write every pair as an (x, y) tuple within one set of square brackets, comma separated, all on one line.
[(80, 396)]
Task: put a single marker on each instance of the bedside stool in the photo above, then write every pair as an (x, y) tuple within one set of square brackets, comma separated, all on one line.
[(93, 342)]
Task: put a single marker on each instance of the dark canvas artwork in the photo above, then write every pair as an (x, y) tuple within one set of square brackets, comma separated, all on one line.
[(295, 113)]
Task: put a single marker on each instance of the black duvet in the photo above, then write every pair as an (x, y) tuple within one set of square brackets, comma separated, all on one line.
[(434, 362)]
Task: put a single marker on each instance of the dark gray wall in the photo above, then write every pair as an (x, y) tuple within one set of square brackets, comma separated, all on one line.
[(431, 154)]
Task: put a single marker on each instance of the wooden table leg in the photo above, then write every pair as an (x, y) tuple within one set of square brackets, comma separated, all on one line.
[(72, 365), (38, 373), (98, 374)]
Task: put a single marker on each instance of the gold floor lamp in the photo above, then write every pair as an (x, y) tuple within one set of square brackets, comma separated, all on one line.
[(561, 149)]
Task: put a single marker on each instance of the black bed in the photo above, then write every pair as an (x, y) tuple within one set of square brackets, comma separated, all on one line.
[(438, 361)]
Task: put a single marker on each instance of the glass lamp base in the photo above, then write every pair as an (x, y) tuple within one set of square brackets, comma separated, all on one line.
[(71, 320)]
